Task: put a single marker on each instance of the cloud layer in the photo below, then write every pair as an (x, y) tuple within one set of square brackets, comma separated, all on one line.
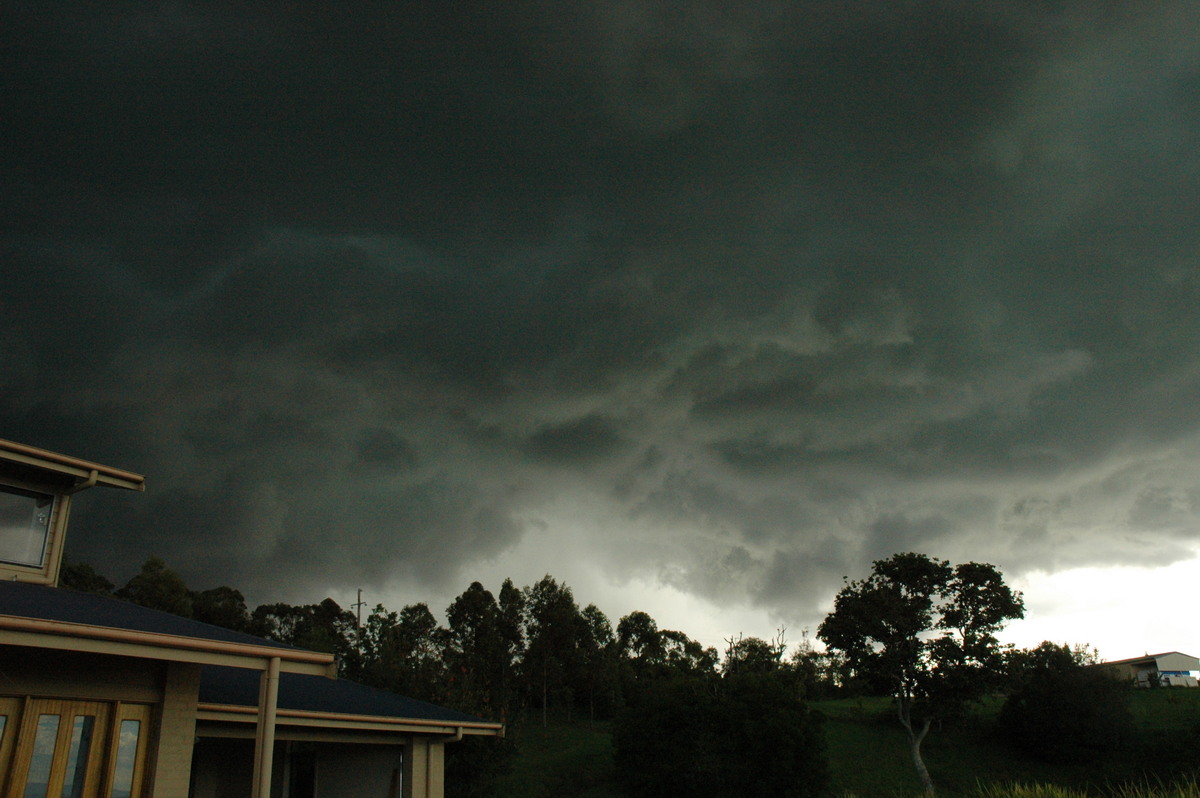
[(729, 301)]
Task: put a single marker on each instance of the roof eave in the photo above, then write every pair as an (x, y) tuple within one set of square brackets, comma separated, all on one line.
[(238, 713), (70, 466), (66, 636)]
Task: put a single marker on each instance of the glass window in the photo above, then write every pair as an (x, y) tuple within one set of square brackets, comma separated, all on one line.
[(24, 526), (77, 758), (38, 780), (127, 745)]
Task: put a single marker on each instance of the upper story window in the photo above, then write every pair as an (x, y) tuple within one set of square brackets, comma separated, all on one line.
[(36, 488), (25, 524)]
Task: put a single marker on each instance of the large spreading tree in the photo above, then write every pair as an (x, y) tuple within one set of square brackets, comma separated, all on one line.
[(924, 632)]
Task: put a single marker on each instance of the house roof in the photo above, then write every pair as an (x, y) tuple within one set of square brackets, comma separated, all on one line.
[(71, 606), (34, 464), (239, 687), (56, 617), (1146, 658)]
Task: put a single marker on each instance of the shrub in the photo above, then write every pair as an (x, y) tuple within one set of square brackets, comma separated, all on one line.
[(1064, 712), (745, 735)]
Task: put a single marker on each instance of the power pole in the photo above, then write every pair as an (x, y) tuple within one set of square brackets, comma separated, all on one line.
[(358, 605)]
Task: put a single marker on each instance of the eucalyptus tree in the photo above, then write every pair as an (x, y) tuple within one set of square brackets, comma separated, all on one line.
[(475, 653), (554, 628), (925, 632), (158, 587), (599, 661), (317, 627)]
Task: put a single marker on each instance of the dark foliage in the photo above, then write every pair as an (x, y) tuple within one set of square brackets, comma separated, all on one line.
[(746, 735), (158, 587), (474, 764), (924, 632), (83, 577), (1065, 712), (316, 627), (222, 606)]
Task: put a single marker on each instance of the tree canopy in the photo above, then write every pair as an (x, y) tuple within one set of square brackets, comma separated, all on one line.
[(1061, 710), (924, 632)]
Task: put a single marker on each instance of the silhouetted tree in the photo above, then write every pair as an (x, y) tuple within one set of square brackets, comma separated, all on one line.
[(640, 640), (82, 577), (316, 627), (554, 627), (754, 655), (926, 634), (1063, 711), (222, 606), (684, 656), (598, 662), (475, 653), (821, 674), (158, 587)]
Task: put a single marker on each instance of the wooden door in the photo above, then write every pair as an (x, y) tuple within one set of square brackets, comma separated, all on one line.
[(56, 748), (59, 751)]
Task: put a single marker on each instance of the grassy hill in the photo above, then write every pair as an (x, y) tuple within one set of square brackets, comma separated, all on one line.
[(868, 755)]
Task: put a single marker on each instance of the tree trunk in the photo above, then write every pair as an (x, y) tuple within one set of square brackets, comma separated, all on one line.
[(903, 709), (545, 692)]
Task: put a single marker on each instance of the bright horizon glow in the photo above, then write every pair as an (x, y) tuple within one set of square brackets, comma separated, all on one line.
[(1122, 612)]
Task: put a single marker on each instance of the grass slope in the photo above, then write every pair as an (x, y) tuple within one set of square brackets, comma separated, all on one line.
[(868, 754), (571, 759)]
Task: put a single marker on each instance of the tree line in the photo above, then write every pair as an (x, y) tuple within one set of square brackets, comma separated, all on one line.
[(530, 650), (525, 654), (687, 717)]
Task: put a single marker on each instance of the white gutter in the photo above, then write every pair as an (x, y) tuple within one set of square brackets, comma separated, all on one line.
[(264, 741)]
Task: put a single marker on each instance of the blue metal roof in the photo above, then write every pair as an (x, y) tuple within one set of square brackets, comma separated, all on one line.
[(238, 686), (218, 684), (46, 603)]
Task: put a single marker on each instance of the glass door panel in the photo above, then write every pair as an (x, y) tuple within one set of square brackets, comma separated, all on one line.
[(45, 741), (79, 755), (59, 752), (129, 757), (10, 720)]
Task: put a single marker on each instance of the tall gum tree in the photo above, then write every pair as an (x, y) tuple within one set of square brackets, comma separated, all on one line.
[(926, 632)]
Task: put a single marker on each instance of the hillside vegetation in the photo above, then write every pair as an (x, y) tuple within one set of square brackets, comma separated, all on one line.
[(594, 710), (868, 756)]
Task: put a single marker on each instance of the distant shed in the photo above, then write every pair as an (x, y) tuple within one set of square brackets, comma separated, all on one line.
[(1169, 669)]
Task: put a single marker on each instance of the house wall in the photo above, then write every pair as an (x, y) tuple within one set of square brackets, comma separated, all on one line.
[(79, 675), (172, 760), (1178, 662), (352, 771), (224, 767), (1174, 670), (424, 769)]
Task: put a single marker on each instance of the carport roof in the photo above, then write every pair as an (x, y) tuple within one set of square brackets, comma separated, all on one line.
[(239, 687)]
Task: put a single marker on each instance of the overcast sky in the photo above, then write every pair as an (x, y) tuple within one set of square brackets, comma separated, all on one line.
[(698, 307)]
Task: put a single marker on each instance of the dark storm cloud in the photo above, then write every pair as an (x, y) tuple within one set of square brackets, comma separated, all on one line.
[(767, 290), (583, 440)]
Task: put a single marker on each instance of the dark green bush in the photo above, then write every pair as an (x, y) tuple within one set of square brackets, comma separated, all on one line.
[(741, 736), (1064, 712)]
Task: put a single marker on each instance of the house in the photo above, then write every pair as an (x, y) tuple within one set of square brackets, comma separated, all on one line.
[(1169, 669), (99, 697)]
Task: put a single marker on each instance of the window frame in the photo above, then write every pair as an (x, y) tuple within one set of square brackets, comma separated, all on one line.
[(52, 549)]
